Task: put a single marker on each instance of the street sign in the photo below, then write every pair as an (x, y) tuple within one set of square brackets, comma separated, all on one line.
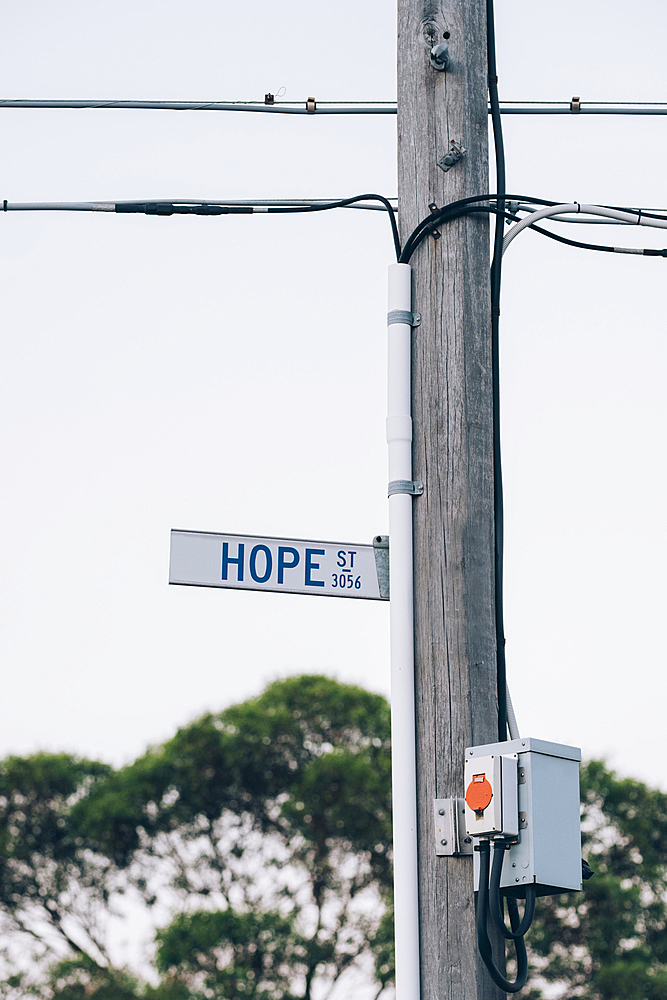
[(283, 565)]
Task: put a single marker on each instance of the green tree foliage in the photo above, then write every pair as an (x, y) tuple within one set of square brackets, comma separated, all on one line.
[(53, 891), (260, 841), (279, 807), (267, 825)]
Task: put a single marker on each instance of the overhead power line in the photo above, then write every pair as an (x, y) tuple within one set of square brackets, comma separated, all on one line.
[(312, 107), (185, 206), (486, 204)]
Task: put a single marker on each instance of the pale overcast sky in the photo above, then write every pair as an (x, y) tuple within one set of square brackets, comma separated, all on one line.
[(227, 374)]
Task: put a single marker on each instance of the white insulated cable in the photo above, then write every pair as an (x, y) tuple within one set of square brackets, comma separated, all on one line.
[(574, 207), (511, 717)]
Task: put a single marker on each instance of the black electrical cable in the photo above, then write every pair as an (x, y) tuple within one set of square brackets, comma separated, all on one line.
[(289, 209), (483, 942), (598, 246), (449, 212), (166, 208), (496, 267), (495, 898), (442, 215), (464, 207)]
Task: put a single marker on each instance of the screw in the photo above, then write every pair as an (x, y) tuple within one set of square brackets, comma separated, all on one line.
[(443, 842), (467, 840), (441, 811), (516, 879), (445, 34), (513, 864)]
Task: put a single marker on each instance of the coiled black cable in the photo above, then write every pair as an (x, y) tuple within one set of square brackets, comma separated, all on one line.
[(495, 898), (483, 942)]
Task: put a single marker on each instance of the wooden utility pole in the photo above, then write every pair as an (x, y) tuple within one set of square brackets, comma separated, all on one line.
[(455, 644)]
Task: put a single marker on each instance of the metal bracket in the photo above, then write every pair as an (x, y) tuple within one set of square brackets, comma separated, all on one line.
[(413, 487), (523, 821), (403, 316), (521, 772), (381, 553), (450, 829), (456, 151), (439, 56)]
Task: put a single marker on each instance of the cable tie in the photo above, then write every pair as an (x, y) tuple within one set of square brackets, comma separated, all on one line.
[(639, 217), (4, 205)]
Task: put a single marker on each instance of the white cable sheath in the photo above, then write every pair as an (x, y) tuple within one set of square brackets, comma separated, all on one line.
[(511, 717), (403, 756), (610, 213)]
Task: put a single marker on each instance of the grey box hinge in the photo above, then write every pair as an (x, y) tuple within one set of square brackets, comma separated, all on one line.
[(450, 828)]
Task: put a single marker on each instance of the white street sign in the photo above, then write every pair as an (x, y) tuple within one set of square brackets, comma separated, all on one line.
[(290, 565)]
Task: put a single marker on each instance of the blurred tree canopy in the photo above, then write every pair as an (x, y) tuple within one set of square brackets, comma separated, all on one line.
[(265, 829), (254, 848)]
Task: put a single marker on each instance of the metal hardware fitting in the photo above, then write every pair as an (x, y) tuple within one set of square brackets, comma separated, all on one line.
[(413, 487), (575, 105), (456, 151), (311, 105), (381, 553), (523, 821), (521, 771), (269, 99), (403, 316), (450, 828), (439, 56)]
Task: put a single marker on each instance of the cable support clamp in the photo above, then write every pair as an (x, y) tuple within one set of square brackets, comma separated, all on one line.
[(575, 105), (412, 487), (311, 105), (403, 316)]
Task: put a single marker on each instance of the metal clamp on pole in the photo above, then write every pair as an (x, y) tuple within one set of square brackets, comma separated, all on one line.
[(411, 486), (403, 316)]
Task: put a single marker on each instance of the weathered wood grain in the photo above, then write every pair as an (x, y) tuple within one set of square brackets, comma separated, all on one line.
[(456, 695)]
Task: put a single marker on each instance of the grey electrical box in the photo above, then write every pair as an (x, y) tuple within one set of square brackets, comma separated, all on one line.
[(547, 852)]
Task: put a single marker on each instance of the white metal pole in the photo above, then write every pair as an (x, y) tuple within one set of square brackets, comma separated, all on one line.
[(404, 783)]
